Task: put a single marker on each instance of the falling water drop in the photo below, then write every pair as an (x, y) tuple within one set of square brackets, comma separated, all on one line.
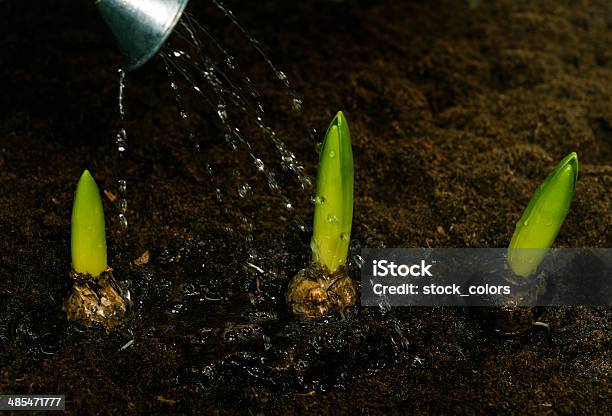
[(287, 203), (123, 222), (358, 260), (306, 182), (282, 77), (121, 144), (272, 183), (296, 104), (121, 93), (245, 190), (259, 164), (121, 140), (222, 112)]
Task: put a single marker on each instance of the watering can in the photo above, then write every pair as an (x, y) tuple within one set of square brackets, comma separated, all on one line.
[(140, 26)]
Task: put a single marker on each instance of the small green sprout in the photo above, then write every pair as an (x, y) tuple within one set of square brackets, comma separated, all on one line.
[(88, 231), (325, 285), (543, 217), (333, 214)]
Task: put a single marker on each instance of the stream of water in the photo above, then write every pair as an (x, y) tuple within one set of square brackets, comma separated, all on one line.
[(232, 95), (195, 59), (197, 62), (121, 143)]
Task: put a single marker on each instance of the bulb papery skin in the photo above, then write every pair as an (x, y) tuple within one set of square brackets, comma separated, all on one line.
[(99, 300), (314, 292)]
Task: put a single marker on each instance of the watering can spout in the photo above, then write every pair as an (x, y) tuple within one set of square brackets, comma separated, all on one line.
[(140, 26)]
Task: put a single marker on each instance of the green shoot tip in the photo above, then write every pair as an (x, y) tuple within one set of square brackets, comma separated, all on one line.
[(541, 221), (333, 214), (88, 236)]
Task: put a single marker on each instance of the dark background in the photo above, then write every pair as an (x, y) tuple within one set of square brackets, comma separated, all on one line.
[(456, 113)]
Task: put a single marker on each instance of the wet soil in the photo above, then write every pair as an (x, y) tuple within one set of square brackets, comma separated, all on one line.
[(456, 113)]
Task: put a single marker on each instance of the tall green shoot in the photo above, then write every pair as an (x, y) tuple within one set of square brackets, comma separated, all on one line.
[(88, 236), (542, 219), (333, 214)]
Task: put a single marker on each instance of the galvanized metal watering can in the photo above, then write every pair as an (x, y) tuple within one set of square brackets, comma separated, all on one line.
[(140, 26)]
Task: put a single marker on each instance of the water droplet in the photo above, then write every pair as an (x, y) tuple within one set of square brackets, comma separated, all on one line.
[(526, 223), (259, 164), (319, 200), (122, 186), (331, 218), (300, 224), (245, 190), (267, 342), (230, 61), (287, 203), (272, 184), (344, 237), (296, 104), (123, 223), (209, 169), (548, 222), (306, 182), (121, 93), (282, 77), (358, 260), (253, 255), (312, 134), (222, 112), (121, 140), (332, 154)]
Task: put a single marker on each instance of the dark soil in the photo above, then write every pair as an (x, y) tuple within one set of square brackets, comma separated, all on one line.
[(456, 113)]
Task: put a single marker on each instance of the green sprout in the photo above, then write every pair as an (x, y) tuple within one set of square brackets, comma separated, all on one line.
[(333, 214), (88, 233), (543, 217)]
